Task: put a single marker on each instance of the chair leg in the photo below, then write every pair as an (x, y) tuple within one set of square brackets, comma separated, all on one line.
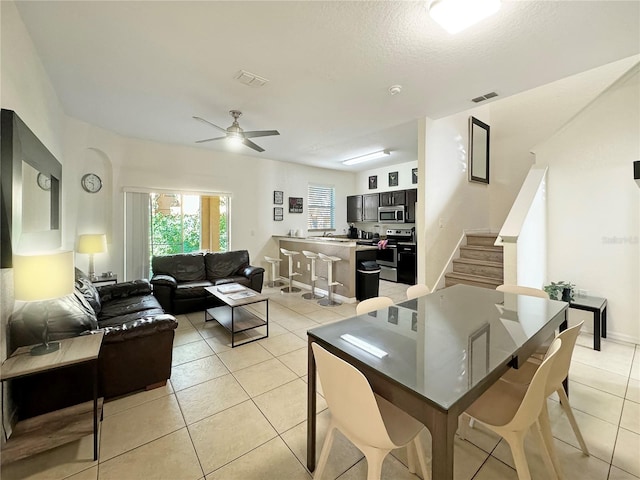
[(411, 458), (375, 457), (426, 474), (464, 425), (516, 443), (545, 450), (324, 454), (566, 406), (547, 436)]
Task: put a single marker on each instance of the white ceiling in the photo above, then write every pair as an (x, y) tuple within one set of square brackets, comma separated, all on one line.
[(143, 69)]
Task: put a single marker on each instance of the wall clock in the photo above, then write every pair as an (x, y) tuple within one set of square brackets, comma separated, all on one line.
[(91, 183), (44, 181)]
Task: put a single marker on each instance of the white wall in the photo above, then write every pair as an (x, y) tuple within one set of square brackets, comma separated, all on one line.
[(594, 204)]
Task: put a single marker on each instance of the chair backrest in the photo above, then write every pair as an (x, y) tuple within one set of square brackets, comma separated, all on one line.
[(417, 290), (531, 404), (563, 359), (519, 290), (373, 304), (350, 399)]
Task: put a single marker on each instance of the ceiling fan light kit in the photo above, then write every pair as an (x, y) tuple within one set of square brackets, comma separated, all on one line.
[(235, 135), (367, 157), (456, 15)]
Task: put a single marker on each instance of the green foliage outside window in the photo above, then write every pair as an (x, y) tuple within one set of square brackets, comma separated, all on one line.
[(175, 233)]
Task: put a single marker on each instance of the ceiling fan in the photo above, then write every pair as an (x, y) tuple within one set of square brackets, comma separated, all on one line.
[(235, 133)]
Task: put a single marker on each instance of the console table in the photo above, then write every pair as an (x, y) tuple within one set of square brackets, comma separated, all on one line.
[(37, 434), (598, 306)]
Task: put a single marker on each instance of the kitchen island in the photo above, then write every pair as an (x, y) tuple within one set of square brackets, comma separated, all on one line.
[(344, 271)]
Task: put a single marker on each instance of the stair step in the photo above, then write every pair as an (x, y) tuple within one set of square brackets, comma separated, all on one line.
[(489, 253), (479, 267), (473, 280), (481, 239)]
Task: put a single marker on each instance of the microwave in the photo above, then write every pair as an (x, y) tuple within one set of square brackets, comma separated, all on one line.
[(391, 214)]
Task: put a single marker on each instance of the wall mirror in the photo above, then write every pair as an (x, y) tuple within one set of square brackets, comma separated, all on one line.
[(478, 151), (31, 187)]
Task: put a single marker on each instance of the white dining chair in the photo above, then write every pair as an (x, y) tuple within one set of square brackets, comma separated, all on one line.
[(418, 290), (511, 410), (368, 421), (373, 304)]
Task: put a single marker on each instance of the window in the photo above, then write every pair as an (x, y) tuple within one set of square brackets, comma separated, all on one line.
[(321, 207)]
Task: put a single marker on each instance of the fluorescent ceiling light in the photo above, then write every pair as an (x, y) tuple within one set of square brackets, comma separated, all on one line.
[(456, 15), (367, 347), (367, 157)]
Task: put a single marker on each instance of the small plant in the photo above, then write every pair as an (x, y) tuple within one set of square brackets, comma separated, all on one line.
[(560, 290)]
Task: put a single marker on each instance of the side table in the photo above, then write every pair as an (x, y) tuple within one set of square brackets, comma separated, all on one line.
[(105, 279), (37, 434), (598, 306)]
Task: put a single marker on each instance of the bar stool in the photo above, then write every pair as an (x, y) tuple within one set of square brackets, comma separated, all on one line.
[(312, 259), (275, 265), (329, 301), (290, 254)]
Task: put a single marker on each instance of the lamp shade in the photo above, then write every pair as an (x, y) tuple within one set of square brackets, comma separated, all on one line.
[(43, 277), (94, 243)]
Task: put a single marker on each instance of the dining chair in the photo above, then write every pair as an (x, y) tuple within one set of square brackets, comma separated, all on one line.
[(371, 423), (417, 290), (510, 410), (373, 304)]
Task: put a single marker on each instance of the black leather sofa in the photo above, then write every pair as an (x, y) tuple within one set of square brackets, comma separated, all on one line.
[(179, 280), (136, 349)]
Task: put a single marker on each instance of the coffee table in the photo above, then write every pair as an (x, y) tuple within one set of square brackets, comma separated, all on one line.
[(233, 315)]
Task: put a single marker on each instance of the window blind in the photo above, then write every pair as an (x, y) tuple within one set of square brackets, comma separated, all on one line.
[(321, 207)]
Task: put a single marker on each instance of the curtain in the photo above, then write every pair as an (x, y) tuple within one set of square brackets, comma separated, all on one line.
[(137, 214), (210, 223)]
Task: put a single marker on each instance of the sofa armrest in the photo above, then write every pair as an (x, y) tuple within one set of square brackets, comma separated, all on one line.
[(164, 280), (124, 289), (142, 327), (250, 271), (255, 276)]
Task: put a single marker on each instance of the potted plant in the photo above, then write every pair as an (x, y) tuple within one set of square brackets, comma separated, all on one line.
[(560, 290)]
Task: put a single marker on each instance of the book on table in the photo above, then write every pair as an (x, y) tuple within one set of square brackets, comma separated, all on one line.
[(230, 288), (240, 295)]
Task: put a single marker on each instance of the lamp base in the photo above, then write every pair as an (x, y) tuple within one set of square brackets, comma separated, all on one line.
[(45, 348)]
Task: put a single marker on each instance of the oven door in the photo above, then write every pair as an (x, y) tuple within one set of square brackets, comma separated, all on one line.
[(388, 257)]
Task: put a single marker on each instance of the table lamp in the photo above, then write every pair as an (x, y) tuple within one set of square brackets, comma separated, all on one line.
[(92, 244), (38, 278)]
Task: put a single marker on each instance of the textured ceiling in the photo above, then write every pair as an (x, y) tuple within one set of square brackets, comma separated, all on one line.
[(143, 69)]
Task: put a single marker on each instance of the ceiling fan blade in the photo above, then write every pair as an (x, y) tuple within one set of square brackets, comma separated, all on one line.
[(210, 139), (250, 144), (260, 133), (212, 124)]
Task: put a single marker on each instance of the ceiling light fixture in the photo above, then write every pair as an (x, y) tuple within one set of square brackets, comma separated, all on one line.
[(367, 157), (456, 15)]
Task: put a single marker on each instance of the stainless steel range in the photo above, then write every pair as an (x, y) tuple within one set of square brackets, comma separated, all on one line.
[(393, 258)]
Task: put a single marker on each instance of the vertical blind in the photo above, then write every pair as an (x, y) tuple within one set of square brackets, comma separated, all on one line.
[(321, 207)]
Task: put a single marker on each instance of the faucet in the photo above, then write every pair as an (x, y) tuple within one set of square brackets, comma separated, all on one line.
[(327, 234)]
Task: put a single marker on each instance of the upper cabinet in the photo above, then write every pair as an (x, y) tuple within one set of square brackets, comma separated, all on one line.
[(412, 198), (354, 208), (362, 208), (393, 199)]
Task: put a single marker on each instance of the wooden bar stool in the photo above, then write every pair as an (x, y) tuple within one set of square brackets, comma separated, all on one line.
[(312, 259), (290, 254), (329, 301), (275, 266)]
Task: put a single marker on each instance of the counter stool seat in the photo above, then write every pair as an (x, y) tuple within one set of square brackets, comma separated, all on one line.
[(290, 254), (275, 267), (312, 260), (329, 301)]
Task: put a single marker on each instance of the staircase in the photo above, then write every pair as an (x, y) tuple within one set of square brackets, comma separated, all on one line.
[(480, 263)]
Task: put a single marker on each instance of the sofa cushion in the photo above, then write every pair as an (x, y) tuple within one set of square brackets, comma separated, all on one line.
[(88, 290), (184, 267), (125, 309), (192, 289), (225, 264)]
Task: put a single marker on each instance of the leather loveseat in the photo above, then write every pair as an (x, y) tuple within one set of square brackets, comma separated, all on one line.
[(136, 349), (179, 280)]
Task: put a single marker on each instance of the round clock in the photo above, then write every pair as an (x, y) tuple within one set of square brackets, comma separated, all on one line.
[(44, 181), (91, 183)]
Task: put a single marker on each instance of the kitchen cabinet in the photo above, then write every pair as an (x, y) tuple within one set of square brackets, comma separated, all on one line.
[(354, 208), (362, 208), (392, 199), (411, 199)]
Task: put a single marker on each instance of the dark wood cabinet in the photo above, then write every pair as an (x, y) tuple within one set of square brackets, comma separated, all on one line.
[(371, 202), (411, 199), (392, 199), (354, 208)]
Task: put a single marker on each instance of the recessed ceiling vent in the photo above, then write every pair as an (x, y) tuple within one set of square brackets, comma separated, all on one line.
[(250, 79), (484, 97)]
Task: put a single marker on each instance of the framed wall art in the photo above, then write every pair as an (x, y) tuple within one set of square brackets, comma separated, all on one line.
[(414, 176), (393, 179), (295, 204), (478, 151), (373, 182), (278, 214), (278, 197)]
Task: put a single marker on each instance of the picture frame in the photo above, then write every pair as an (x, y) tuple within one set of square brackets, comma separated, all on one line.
[(295, 205), (278, 214), (278, 197), (393, 179), (414, 176), (478, 151), (373, 182)]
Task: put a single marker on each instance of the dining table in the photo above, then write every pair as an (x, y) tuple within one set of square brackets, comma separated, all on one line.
[(434, 355)]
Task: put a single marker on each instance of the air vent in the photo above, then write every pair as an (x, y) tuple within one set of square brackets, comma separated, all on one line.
[(484, 97), (250, 79)]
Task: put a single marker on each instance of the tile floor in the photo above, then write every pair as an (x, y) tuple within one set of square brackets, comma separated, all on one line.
[(240, 414)]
